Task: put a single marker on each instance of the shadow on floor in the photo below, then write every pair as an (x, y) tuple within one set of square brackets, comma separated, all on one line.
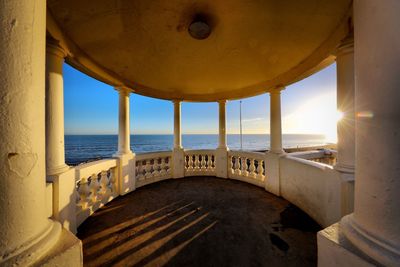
[(200, 221)]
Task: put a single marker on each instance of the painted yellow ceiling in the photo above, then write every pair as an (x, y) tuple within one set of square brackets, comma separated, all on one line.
[(254, 45)]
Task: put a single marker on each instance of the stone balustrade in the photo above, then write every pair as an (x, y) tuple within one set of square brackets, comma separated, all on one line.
[(200, 162), (100, 181), (152, 167), (314, 187), (247, 166), (96, 185)]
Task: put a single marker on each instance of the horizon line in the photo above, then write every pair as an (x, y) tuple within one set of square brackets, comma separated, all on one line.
[(195, 134)]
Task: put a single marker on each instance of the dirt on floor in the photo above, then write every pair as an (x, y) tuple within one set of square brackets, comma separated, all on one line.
[(199, 221)]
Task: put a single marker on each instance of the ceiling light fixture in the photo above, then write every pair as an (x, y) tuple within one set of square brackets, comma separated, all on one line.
[(199, 30)]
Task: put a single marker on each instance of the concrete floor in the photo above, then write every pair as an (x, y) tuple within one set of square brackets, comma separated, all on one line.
[(199, 221)]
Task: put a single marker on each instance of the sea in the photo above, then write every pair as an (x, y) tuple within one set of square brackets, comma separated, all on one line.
[(84, 148)]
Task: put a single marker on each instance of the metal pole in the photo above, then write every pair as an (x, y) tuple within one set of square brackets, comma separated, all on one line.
[(241, 136)]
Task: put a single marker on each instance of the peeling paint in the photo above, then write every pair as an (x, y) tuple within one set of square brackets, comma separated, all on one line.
[(22, 163)]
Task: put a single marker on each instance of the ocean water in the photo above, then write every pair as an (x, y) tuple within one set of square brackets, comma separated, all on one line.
[(83, 148)]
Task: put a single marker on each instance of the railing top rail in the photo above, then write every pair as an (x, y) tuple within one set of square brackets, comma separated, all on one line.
[(87, 169), (152, 155), (309, 163), (312, 154), (199, 151), (249, 154)]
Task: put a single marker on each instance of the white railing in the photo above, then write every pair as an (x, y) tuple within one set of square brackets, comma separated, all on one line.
[(247, 166), (96, 185), (314, 187), (152, 167), (98, 182), (325, 156), (200, 162)]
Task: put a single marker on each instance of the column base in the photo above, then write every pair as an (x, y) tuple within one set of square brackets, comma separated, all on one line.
[(32, 251), (277, 151), (121, 153), (57, 170), (67, 252), (344, 168), (375, 247), (334, 250)]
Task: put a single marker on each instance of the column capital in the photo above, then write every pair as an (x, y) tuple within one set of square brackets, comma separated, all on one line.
[(346, 46), (222, 101), (276, 90), (177, 101), (123, 90), (53, 47)]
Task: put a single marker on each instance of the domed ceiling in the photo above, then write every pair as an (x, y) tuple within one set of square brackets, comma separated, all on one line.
[(199, 50)]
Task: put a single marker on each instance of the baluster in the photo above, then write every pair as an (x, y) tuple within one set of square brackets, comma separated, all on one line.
[(213, 162), (83, 191), (104, 189), (168, 165), (230, 165), (209, 163), (156, 172), (113, 181), (186, 166), (260, 170), (190, 163), (139, 175), (252, 169), (196, 163), (203, 162), (237, 165), (147, 169), (162, 170), (94, 187), (244, 167)]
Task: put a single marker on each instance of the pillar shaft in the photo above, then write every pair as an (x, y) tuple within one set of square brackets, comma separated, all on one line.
[(55, 154), (275, 122), (177, 124), (345, 104), (222, 124), (123, 122), (374, 225), (25, 232)]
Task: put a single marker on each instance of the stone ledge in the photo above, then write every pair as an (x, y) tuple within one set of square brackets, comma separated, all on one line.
[(335, 250), (67, 252)]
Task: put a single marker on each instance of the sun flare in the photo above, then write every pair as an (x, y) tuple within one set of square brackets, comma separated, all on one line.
[(316, 116)]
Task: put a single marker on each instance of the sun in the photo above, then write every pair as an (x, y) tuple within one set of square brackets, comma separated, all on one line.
[(316, 116)]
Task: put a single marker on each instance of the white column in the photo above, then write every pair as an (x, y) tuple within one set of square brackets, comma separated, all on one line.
[(178, 154), (272, 159), (126, 158), (276, 121), (345, 104), (123, 121), (177, 125), (58, 173), (55, 155), (222, 124), (374, 226), (221, 154), (25, 233)]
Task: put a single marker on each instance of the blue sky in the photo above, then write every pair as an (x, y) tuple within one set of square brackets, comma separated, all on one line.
[(91, 107)]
